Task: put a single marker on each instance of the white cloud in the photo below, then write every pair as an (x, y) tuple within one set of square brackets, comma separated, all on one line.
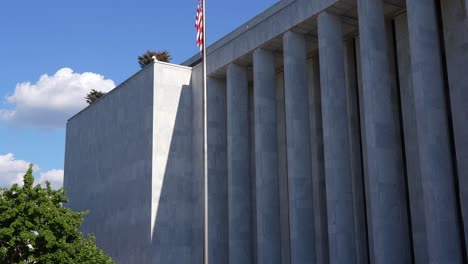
[(55, 177), (13, 170), (52, 99)]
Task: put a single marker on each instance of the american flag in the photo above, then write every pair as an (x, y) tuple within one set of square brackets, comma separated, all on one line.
[(199, 25)]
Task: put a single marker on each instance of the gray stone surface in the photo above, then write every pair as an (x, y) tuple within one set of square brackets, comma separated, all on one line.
[(172, 165), (239, 183), (282, 169), (385, 187), (411, 143), (318, 169), (355, 147), (268, 229), (455, 22), (104, 161), (301, 211), (435, 158), (338, 176), (135, 227)]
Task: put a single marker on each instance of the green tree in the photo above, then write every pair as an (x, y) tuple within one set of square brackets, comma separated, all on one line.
[(147, 57), (36, 228), (93, 96)]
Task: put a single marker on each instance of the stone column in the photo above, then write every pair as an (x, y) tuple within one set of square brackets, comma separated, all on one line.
[(455, 22), (266, 159), (301, 211), (384, 172), (338, 177), (239, 180), (411, 142), (435, 159), (316, 141)]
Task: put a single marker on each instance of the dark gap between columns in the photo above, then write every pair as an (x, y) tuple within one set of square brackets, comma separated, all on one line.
[(358, 103), (403, 144)]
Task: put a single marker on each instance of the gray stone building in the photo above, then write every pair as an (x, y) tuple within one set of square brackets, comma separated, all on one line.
[(337, 133)]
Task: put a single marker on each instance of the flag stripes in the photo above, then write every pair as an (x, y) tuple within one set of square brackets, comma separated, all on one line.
[(199, 26)]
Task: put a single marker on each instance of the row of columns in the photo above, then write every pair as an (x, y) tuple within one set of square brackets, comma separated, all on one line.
[(325, 215)]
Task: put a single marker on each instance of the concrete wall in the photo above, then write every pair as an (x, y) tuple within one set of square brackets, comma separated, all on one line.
[(129, 161), (171, 214), (108, 168)]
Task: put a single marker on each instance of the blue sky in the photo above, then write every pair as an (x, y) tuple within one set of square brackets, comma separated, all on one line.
[(102, 37)]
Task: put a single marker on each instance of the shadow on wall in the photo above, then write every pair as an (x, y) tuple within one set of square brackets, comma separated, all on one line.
[(172, 232)]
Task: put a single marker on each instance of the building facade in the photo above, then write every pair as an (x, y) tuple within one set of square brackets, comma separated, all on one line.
[(337, 133)]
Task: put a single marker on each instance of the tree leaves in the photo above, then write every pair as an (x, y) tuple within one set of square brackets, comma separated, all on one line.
[(36, 228), (147, 57), (93, 96)]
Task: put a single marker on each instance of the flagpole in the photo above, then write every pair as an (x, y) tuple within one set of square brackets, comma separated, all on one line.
[(205, 138)]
